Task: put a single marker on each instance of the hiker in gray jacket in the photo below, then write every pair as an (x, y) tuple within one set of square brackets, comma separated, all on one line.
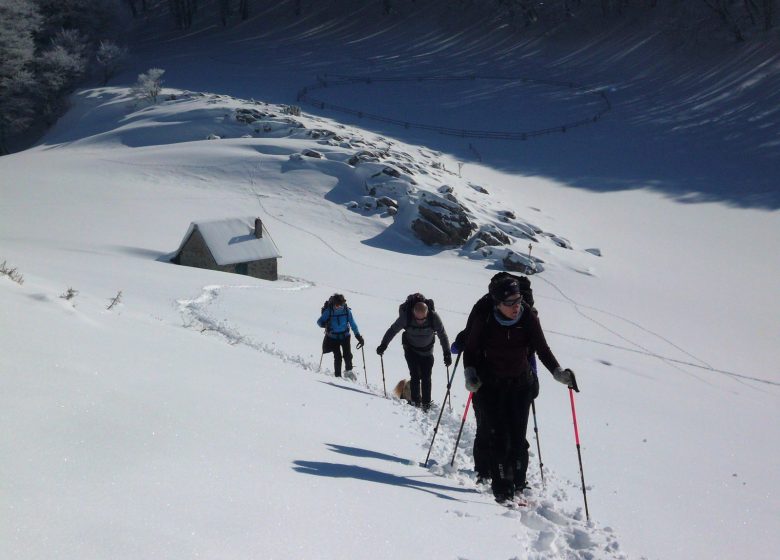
[(420, 324)]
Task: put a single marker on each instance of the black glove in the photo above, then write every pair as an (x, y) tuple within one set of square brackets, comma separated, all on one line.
[(447, 359), (360, 340), (381, 349)]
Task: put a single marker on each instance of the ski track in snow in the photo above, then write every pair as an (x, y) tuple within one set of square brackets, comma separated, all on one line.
[(639, 349), (699, 363), (551, 532)]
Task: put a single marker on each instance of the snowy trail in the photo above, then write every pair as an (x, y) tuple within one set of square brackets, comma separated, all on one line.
[(552, 531)]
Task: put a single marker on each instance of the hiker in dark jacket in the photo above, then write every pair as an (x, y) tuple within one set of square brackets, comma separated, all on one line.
[(480, 311), (498, 372), (420, 324), (337, 319)]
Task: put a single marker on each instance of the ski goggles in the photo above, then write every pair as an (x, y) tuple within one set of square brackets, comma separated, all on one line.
[(512, 302)]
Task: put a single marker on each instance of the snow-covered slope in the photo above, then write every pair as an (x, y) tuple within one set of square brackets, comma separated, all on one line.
[(193, 418)]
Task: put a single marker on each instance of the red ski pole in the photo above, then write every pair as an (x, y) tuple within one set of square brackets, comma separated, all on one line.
[(579, 454), (457, 441)]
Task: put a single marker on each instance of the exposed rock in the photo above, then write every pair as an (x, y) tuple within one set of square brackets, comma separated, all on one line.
[(403, 168), (450, 224), (292, 122), (387, 201), (248, 116), (594, 251), (312, 154), (534, 228), (493, 237), (429, 233), (522, 263), (317, 133), (392, 172), (559, 241), (363, 156)]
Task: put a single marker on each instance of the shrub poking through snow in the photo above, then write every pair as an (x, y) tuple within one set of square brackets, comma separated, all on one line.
[(69, 294), (293, 110), (115, 300), (11, 273)]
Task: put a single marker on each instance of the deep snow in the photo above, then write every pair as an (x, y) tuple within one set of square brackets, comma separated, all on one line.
[(192, 418)]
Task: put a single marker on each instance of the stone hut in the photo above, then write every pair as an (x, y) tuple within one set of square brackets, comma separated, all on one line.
[(237, 245)]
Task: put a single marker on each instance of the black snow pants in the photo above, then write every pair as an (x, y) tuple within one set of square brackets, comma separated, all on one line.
[(481, 447), (339, 346), (420, 368), (503, 420)]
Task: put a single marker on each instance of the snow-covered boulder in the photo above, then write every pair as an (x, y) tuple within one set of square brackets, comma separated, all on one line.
[(442, 222), (493, 236), (368, 203), (248, 116), (522, 263), (363, 156), (387, 201)]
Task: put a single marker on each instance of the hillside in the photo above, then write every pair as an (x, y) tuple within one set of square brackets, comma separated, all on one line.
[(193, 417)]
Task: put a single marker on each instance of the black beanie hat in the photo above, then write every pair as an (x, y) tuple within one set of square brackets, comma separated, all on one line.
[(504, 289)]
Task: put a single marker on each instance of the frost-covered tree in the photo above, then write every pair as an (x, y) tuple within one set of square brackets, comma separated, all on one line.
[(149, 84), (59, 67), (91, 17), (19, 21), (109, 57)]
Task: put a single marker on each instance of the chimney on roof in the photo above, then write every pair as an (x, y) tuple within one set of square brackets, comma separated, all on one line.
[(258, 228)]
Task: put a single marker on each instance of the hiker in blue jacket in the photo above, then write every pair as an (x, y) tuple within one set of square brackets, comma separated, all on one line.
[(337, 319)]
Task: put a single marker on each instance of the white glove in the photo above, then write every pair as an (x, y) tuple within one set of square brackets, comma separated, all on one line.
[(566, 376), (473, 383)]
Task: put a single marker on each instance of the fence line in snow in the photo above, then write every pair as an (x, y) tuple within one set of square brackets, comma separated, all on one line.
[(329, 80)]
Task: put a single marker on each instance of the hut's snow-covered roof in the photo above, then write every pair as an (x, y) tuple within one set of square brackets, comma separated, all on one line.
[(233, 240)]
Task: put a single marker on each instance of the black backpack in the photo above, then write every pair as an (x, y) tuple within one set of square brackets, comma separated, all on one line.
[(407, 307), (329, 305)]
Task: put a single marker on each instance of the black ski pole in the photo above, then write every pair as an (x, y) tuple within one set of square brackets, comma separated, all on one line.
[(441, 410), (448, 396), (457, 441), (319, 368), (579, 454), (365, 375), (382, 361), (538, 444)]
